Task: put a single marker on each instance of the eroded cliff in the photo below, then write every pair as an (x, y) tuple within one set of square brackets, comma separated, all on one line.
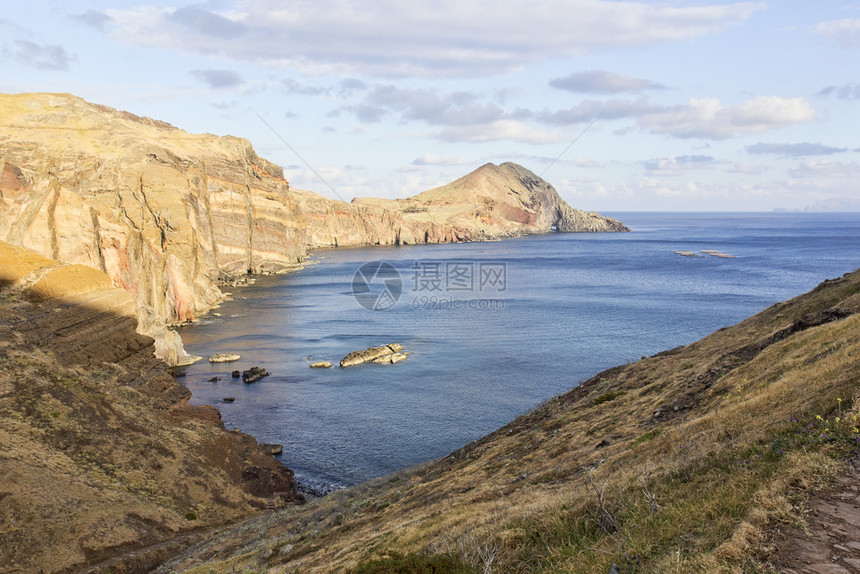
[(164, 213), (100, 451)]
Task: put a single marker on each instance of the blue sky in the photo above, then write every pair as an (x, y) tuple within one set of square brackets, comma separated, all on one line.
[(736, 106)]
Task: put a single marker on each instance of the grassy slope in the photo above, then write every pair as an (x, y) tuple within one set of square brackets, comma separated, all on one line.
[(677, 463)]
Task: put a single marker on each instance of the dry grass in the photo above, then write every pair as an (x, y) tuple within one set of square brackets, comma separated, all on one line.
[(681, 462)]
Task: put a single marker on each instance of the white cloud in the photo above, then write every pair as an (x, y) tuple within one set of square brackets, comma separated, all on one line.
[(426, 38), (601, 82), (827, 170), (93, 18), (745, 168), (706, 118), (433, 159), (42, 56), (709, 119), (218, 79), (794, 149), (674, 165), (846, 32), (500, 130), (845, 92)]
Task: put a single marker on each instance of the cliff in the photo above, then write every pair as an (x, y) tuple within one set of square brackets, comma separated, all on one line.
[(170, 216), (164, 213), (691, 461), (100, 452)]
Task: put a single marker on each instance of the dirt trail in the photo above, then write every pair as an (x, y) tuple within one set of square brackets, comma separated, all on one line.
[(832, 543)]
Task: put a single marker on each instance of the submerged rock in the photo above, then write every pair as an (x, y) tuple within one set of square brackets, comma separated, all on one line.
[(236, 374), (224, 358), (254, 374), (321, 365)]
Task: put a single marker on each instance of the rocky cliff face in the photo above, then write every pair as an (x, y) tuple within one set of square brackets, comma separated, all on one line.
[(164, 213), (168, 215), (99, 450)]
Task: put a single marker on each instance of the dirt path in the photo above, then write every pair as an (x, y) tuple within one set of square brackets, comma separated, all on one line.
[(832, 543)]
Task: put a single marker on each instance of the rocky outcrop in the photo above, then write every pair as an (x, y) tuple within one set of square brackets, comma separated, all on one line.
[(224, 358), (254, 374), (100, 452), (390, 353)]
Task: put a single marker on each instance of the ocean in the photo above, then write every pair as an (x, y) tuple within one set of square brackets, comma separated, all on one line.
[(492, 329)]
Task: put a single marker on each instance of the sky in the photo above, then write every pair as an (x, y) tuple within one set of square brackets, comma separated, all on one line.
[(622, 106)]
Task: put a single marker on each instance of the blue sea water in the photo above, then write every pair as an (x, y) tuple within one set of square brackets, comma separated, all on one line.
[(493, 329)]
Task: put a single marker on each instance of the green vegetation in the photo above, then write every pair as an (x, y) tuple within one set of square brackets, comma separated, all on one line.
[(395, 563), (606, 397)]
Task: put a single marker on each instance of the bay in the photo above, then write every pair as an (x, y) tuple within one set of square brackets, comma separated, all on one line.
[(492, 329)]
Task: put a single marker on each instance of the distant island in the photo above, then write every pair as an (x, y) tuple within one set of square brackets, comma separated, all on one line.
[(832, 204)]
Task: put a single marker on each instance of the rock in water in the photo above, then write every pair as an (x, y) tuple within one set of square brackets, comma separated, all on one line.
[(224, 358), (272, 449), (236, 374), (254, 374), (373, 354), (321, 365), (390, 359)]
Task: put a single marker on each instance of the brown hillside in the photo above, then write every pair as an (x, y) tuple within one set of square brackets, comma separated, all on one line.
[(100, 452)]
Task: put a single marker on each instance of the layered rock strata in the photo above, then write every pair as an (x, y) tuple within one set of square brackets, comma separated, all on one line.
[(164, 213)]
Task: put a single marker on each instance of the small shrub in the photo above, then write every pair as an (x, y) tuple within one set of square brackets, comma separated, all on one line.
[(648, 436), (606, 397), (190, 516)]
